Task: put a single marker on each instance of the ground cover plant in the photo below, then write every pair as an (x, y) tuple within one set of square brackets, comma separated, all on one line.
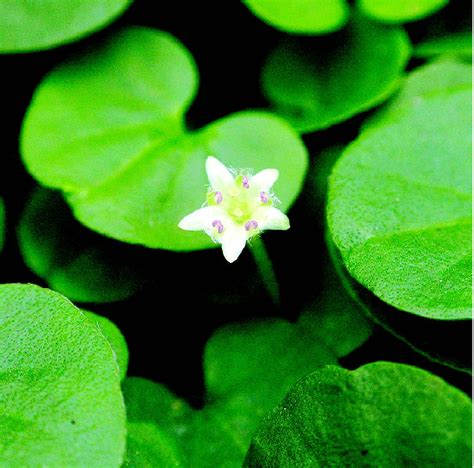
[(235, 234)]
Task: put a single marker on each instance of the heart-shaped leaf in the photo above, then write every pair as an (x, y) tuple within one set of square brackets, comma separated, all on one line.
[(406, 234), (400, 11), (321, 83), (382, 414), (60, 398), (80, 266), (301, 16), (108, 129), (28, 26)]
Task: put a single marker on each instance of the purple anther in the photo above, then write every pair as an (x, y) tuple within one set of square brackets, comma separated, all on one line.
[(218, 197), (263, 197), (245, 182), (252, 224), (218, 225)]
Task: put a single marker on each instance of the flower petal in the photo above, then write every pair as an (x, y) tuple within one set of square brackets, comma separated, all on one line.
[(269, 217), (201, 220), (265, 179), (219, 176), (233, 241)]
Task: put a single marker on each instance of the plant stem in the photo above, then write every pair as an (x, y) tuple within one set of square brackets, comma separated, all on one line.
[(265, 268)]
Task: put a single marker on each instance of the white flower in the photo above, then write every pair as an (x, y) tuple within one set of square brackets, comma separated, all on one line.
[(237, 208)]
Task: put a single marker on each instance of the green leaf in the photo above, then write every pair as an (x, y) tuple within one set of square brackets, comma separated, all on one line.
[(248, 368), (147, 446), (400, 11), (156, 422), (69, 259), (445, 342), (130, 169), (28, 26), (455, 44), (324, 83), (301, 16), (60, 398), (382, 414), (443, 76), (406, 233), (115, 339)]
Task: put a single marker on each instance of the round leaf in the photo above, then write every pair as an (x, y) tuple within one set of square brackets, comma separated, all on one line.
[(406, 233), (322, 84), (301, 16), (60, 397), (442, 341), (382, 414), (130, 169), (115, 339), (57, 248), (28, 26), (400, 11)]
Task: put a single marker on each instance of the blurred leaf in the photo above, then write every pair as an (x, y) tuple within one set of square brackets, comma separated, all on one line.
[(456, 44), (55, 247), (317, 86), (443, 76), (147, 446), (60, 399), (382, 414), (129, 167), (332, 317), (115, 339), (248, 368), (400, 11), (28, 26), (405, 234), (301, 16), (445, 342), (156, 421)]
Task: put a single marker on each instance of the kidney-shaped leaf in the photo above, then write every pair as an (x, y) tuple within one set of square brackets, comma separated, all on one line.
[(73, 262), (301, 16), (400, 11), (321, 84), (382, 414), (27, 26), (108, 128), (60, 398), (405, 234)]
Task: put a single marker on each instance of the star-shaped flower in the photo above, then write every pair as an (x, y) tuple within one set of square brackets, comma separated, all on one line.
[(238, 208)]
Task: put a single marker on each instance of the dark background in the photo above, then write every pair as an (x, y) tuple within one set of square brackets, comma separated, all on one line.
[(187, 296)]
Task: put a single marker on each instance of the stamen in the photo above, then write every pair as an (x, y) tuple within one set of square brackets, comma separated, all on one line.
[(252, 224), (218, 225), (245, 182), (263, 197), (218, 197)]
